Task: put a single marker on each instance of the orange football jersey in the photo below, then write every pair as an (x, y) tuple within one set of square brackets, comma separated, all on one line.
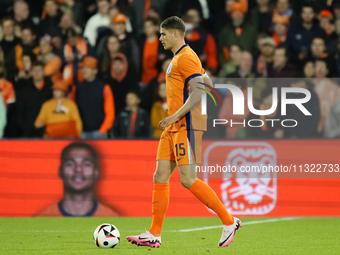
[(184, 66)]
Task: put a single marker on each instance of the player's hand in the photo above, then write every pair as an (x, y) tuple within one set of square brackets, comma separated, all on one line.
[(166, 122)]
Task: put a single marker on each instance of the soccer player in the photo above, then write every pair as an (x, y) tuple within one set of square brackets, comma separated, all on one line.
[(181, 139)]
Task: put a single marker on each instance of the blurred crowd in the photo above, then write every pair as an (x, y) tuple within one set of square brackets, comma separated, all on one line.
[(96, 69)]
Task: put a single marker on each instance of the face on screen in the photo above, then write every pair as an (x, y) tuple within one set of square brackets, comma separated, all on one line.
[(78, 170)]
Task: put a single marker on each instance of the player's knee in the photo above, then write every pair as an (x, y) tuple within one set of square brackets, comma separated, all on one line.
[(159, 177), (187, 182)]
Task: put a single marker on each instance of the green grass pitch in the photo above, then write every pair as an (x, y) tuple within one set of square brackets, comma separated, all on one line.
[(257, 236)]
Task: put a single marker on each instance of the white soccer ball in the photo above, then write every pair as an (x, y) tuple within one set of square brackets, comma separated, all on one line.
[(106, 235)]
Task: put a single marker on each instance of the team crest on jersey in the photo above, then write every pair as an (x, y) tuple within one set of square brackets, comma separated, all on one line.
[(169, 70)]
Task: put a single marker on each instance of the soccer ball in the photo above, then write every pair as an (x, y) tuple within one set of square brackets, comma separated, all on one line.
[(106, 236)]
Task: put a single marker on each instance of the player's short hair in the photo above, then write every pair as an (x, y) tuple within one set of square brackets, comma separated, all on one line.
[(174, 22), (89, 148)]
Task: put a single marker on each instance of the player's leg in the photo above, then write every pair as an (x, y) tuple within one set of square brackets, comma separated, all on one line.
[(160, 196), (204, 193), (202, 190), (210, 199)]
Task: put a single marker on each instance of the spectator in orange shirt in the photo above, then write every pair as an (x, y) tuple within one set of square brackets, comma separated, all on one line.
[(280, 29), (159, 110), (95, 102), (151, 50), (60, 115), (80, 172), (282, 9)]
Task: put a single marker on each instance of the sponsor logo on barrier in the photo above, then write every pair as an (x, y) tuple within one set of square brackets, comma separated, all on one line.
[(244, 192)]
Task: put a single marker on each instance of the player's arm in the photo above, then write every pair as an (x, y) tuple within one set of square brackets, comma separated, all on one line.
[(194, 98), (196, 85)]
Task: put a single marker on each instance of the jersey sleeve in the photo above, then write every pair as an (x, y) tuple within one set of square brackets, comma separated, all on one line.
[(189, 67)]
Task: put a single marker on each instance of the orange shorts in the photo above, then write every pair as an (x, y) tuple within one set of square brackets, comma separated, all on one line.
[(184, 147)]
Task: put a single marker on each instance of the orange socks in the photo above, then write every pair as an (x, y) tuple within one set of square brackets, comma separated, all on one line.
[(160, 202), (208, 197)]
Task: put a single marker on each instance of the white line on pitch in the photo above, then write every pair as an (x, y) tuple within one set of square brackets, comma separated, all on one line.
[(179, 230), (245, 223)]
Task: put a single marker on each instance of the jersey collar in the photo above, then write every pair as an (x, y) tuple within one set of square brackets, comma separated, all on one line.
[(90, 213), (181, 49)]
